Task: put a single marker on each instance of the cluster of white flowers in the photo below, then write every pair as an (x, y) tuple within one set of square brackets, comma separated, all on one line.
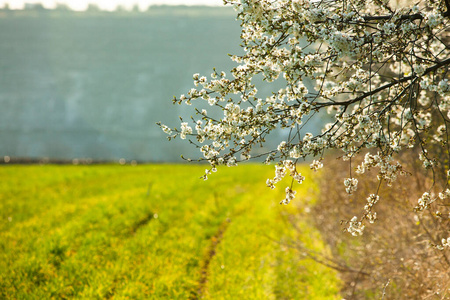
[(433, 19), (425, 201), (290, 194), (281, 171), (388, 171), (381, 73), (371, 201), (185, 130), (419, 69), (445, 194), (355, 227), (290, 165), (445, 243), (351, 184), (316, 165)]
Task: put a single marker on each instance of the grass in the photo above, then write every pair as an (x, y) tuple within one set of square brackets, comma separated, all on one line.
[(154, 232)]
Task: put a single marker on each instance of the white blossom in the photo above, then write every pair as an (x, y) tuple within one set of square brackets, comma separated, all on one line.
[(185, 130), (166, 129), (351, 185), (355, 227), (290, 194), (445, 243), (315, 165), (425, 201)]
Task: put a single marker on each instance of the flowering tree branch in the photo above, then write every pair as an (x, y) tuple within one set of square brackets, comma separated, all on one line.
[(383, 79), (358, 99)]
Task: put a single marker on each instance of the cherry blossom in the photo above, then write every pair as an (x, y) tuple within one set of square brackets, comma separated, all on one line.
[(381, 73)]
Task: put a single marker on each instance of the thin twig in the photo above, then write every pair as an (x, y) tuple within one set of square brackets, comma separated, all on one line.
[(384, 289)]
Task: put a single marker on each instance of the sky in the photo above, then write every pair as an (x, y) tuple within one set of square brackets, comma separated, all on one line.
[(108, 4)]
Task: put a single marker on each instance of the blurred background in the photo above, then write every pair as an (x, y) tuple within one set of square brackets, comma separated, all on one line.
[(88, 80)]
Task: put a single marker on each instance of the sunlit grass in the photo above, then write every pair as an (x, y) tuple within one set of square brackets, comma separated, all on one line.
[(154, 231)]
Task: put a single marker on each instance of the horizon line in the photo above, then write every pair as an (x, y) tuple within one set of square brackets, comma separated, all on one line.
[(94, 6)]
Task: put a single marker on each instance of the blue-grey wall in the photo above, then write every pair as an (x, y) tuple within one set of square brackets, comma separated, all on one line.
[(76, 85)]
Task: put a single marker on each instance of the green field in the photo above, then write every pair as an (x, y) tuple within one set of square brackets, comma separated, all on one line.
[(155, 232)]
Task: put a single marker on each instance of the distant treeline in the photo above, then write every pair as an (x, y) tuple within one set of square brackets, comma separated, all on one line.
[(94, 8)]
